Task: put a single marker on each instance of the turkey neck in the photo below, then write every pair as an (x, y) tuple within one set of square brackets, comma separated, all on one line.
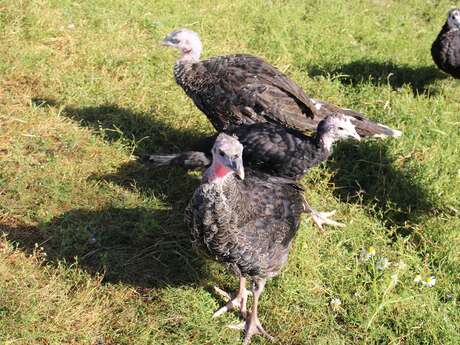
[(448, 29), (324, 143), (225, 198), (189, 76), (181, 69)]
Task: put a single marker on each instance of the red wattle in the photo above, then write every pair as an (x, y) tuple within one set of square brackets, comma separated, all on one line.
[(220, 170)]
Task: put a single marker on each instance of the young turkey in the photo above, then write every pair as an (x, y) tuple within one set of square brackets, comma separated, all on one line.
[(277, 151), (446, 48), (272, 149), (237, 90), (245, 220)]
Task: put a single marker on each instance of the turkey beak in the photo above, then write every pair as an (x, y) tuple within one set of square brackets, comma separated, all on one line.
[(356, 136), (169, 41), (237, 167), (165, 42)]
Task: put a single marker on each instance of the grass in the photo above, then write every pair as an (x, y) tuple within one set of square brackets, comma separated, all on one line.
[(93, 247)]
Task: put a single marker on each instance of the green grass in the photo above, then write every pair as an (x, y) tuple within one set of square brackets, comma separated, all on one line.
[(85, 88)]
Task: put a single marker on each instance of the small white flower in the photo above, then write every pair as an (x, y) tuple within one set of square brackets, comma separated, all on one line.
[(371, 252), (401, 265), (382, 264), (368, 253), (394, 279), (335, 303), (429, 281)]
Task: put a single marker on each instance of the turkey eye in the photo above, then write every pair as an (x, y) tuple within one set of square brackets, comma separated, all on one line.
[(341, 128), (221, 153)]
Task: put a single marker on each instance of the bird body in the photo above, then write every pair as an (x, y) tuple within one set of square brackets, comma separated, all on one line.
[(445, 50), (281, 152), (275, 150), (248, 224), (235, 90), (246, 220)]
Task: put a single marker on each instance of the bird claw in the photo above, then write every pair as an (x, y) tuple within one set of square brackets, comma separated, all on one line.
[(254, 327), (250, 328), (226, 295), (237, 326), (239, 301), (321, 218), (222, 293)]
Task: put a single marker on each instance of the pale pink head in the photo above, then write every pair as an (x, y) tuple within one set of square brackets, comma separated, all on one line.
[(227, 158), (453, 18), (339, 127), (187, 41)]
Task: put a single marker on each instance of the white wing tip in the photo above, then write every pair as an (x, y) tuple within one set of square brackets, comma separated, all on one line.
[(394, 132)]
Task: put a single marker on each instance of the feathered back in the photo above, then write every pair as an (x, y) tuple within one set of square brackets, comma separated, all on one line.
[(445, 50), (279, 151), (248, 223), (235, 90)]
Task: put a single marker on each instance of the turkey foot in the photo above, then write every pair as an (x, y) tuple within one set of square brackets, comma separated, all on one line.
[(321, 218), (252, 327), (239, 301)]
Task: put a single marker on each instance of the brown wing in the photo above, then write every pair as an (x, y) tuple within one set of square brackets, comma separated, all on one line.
[(254, 91), (235, 90)]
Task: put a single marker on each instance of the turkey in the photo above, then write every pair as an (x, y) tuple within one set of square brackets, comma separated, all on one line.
[(247, 221), (277, 151), (237, 90), (272, 149), (446, 48)]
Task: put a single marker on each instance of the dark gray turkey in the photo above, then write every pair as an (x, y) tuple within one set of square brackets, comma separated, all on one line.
[(237, 90), (277, 151), (446, 48), (245, 221), (272, 149)]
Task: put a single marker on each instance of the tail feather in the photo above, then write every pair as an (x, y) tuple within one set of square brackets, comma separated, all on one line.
[(369, 128), (366, 128), (161, 160), (187, 160)]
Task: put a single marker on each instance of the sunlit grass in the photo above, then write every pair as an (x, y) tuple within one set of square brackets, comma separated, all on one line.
[(85, 88)]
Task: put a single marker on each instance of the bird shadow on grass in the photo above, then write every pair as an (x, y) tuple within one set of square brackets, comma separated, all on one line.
[(382, 73), (132, 246), (150, 247), (367, 174), (143, 130), (146, 246)]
